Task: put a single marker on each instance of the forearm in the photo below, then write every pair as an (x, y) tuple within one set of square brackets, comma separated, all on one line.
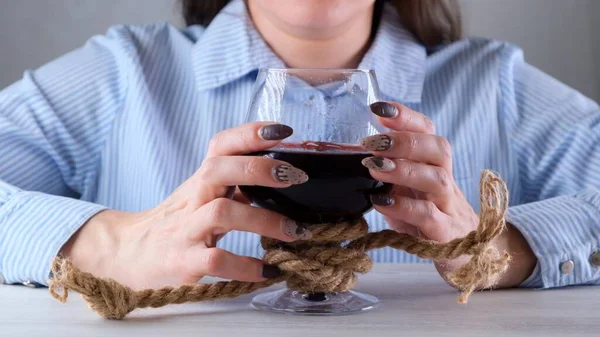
[(560, 231), (554, 134), (33, 228)]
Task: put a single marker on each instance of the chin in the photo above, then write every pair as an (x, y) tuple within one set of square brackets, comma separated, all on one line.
[(315, 14)]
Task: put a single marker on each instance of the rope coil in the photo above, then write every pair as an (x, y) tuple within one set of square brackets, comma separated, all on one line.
[(328, 263)]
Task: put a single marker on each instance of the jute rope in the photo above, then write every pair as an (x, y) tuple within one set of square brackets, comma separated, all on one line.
[(328, 263)]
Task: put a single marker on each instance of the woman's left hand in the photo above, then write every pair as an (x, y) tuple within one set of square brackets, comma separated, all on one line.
[(425, 200)]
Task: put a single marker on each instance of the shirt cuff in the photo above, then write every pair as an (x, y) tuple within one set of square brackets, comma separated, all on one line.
[(33, 228), (563, 233)]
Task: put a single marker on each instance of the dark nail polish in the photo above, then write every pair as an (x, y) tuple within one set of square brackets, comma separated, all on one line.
[(384, 109), (289, 175), (379, 164), (377, 143), (275, 132), (270, 271), (295, 230), (382, 200)]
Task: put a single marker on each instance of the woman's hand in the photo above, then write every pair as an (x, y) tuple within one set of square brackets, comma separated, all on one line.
[(174, 243), (425, 200)]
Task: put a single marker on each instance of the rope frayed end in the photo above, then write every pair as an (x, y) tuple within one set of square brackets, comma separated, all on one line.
[(57, 287), (110, 299), (487, 264), (482, 272)]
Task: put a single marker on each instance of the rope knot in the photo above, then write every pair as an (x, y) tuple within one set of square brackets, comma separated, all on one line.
[(324, 264)]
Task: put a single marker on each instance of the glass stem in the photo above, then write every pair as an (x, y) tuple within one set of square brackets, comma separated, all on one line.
[(316, 297)]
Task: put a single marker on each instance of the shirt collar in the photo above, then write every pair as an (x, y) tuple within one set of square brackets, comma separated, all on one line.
[(231, 48)]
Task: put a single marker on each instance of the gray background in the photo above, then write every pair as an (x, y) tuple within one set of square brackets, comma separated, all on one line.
[(558, 36)]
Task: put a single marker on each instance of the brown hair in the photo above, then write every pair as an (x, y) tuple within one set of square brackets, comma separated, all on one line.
[(433, 22)]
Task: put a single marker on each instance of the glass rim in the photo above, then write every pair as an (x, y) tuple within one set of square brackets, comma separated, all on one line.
[(338, 70)]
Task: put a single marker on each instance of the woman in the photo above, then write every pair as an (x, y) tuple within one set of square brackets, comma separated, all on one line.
[(118, 155)]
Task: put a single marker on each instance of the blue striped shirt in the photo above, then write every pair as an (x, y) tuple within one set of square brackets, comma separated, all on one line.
[(122, 121)]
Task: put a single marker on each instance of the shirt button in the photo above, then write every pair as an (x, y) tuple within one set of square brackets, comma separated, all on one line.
[(29, 284), (595, 259), (567, 267), (310, 100)]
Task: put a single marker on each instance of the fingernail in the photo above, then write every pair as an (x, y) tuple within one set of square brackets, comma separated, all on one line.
[(382, 200), (270, 271), (295, 230), (289, 175), (379, 164), (384, 109), (275, 132), (377, 143)]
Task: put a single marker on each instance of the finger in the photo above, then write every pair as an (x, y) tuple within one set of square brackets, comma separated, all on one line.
[(417, 176), (398, 117), (417, 147), (224, 215), (249, 170), (248, 138), (422, 214), (402, 227), (220, 263), (402, 191)]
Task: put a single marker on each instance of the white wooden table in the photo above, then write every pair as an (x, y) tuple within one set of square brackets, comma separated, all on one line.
[(415, 302)]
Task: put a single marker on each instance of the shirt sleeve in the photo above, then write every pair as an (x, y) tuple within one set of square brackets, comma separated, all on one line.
[(53, 124), (555, 133)]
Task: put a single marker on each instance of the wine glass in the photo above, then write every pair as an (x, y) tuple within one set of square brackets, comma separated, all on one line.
[(329, 110)]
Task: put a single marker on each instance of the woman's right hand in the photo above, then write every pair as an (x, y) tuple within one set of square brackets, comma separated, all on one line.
[(174, 243)]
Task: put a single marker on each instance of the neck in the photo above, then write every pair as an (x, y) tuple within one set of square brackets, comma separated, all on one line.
[(341, 47)]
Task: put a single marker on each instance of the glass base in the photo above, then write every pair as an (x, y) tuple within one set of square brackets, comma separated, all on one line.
[(321, 304)]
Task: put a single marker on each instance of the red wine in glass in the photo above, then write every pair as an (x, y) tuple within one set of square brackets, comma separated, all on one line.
[(338, 188)]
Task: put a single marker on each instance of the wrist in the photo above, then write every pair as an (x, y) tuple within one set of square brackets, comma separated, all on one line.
[(93, 247), (523, 260)]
